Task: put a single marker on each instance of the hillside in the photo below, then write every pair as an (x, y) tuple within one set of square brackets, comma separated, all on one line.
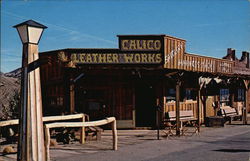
[(15, 73), (9, 85)]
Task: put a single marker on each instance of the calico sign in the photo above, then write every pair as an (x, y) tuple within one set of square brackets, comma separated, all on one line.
[(146, 45)]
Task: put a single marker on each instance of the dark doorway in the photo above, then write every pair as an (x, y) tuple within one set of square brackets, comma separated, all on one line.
[(145, 105)]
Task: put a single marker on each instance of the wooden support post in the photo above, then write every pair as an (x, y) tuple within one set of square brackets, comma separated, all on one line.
[(204, 105), (72, 98), (198, 108), (82, 139), (47, 142), (157, 117), (31, 126), (245, 108), (114, 132), (178, 123)]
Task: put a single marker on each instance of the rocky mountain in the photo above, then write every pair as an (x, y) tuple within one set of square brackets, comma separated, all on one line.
[(15, 73), (9, 87)]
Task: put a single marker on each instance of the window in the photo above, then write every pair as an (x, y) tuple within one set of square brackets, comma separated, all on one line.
[(241, 95), (224, 95), (56, 101), (190, 94), (170, 95)]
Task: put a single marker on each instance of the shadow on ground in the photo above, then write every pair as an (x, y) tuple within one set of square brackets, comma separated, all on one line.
[(232, 150)]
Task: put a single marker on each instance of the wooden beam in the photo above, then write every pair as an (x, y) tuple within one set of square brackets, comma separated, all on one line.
[(81, 124), (46, 119), (63, 117)]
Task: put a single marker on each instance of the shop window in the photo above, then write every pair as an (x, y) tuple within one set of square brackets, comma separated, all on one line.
[(241, 95), (59, 101), (224, 96), (190, 94), (56, 101), (170, 95), (52, 101)]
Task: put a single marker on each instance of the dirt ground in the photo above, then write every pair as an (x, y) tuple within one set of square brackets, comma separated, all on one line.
[(126, 139)]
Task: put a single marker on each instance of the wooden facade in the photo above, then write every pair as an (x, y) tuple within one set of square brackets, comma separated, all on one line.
[(129, 82)]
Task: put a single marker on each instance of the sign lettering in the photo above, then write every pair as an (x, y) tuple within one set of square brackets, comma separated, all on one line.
[(140, 45), (172, 54), (115, 58)]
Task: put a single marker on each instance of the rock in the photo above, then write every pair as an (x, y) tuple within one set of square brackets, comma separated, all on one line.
[(53, 143), (8, 150), (10, 132), (8, 87)]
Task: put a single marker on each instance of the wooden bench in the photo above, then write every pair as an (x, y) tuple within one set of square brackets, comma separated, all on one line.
[(186, 117), (230, 113)]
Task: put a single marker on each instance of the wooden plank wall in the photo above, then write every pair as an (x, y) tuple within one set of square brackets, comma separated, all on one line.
[(52, 84), (174, 51), (123, 102)]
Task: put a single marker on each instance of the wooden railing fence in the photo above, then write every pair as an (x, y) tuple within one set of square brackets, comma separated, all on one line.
[(108, 120)]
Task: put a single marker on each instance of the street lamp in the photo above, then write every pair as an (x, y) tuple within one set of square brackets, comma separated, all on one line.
[(31, 136)]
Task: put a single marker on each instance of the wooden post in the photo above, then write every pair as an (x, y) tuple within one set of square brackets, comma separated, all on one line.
[(72, 97), (157, 117), (246, 107), (22, 142), (114, 132), (47, 142), (31, 126), (178, 123), (198, 108), (83, 131), (203, 100), (244, 112)]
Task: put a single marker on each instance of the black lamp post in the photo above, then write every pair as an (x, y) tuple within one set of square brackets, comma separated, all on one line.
[(31, 136)]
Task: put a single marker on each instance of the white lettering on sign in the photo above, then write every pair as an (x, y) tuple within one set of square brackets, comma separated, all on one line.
[(206, 65), (196, 64), (171, 55), (225, 67)]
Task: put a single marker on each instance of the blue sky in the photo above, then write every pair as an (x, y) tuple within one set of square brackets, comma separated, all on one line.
[(210, 27)]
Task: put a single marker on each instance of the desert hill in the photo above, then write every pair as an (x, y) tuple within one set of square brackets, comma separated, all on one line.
[(9, 86)]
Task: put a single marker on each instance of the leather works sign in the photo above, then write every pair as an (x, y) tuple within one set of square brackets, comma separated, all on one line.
[(111, 58)]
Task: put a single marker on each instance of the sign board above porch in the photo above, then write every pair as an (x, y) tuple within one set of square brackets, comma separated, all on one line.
[(165, 51)]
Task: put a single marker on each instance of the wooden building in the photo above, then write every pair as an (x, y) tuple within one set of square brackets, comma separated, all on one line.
[(144, 72)]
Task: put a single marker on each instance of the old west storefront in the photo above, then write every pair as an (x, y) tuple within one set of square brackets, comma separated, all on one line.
[(146, 71)]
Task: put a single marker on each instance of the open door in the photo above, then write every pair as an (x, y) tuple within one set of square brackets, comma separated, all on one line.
[(145, 105)]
